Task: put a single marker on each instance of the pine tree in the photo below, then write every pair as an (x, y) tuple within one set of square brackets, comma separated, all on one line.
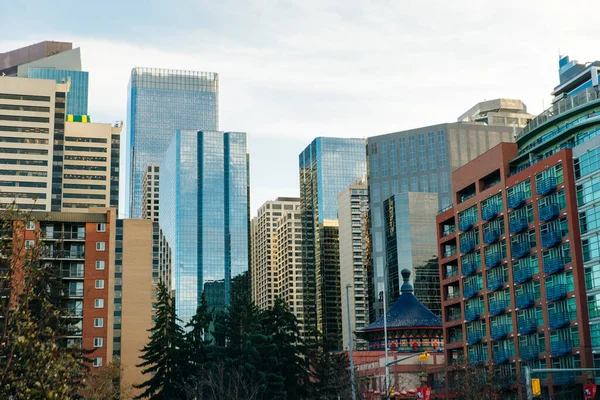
[(163, 355), (196, 342), (330, 374)]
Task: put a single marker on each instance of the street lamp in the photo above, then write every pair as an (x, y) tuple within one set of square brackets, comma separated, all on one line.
[(352, 387)]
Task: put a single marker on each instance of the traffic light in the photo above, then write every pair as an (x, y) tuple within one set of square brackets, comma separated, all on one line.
[(391, 391), (536, 387), (424, 356)]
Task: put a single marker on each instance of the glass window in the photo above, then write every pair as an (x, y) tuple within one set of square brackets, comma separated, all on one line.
[(97, 362), (587, 163), (98, 303), (424, 184), (412, 154), (403, 166), (443, 182), (99, 264), (403, 185), (100, 246), (442, 154), (422, 154), (30, 225), (98, 322), (98, 342), (99, 284), (101, 227), (29, 244), (414, 184)]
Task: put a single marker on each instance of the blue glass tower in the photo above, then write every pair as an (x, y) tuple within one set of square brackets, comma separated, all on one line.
[(203, 200), (161, 102), (327, 167), (77, 98)]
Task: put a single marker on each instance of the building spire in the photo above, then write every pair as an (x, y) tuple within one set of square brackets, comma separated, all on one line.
[(406, 287)]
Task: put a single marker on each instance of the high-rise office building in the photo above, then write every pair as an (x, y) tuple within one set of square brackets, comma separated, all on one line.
[(289, 263), (411, 244), (47, 163), (204, 215), (421, 160), (150, 186), (161, 101), (498, 112), (57, 61), (527, 212), (264, 268), (327, 166), (353, 211)]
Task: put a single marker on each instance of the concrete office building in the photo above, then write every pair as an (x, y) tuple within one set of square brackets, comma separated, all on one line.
[(327, 166), (421, 160), (204, 215), (353, 211), (264, 267), (499, 112), (411, 244), (289, 263), (57, 61), (161, 101), (150, 186), (47, 163)]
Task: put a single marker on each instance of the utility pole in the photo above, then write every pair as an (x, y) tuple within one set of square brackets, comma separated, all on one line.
[(527, 373), (385, 341), (350, 346)]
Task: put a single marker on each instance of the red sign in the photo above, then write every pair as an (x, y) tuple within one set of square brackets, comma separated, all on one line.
[(589, 391), (424, 393)]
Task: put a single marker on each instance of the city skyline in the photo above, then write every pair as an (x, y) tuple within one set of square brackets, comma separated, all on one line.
[(362, 73)]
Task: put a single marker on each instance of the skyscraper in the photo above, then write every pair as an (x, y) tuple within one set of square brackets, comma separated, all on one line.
[(353, 213), (204, 215), (57, 61), (421, 160), (327, 166), (150, 192), (411, 244), (161, 101)]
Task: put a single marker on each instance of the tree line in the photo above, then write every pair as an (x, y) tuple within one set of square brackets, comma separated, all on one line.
[(239, 352)]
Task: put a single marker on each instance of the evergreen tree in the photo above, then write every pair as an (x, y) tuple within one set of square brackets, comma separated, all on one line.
[(331, 375), (163, 355), (196, 338)]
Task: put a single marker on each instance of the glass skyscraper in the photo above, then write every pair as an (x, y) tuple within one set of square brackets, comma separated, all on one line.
[(327, 167), (160, 102), (77, 98), (204, 215)]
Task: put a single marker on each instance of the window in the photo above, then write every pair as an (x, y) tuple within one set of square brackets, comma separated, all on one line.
[(99, 264), (97, 362), (98, 322), (101, 227), (30, 225), (98, 303), (99, 283), (100, 246), (29, 244), (98, 342)]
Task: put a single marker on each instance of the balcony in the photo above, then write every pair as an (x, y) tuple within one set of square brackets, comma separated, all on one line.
[(525, 300), (521, 249), (518, 225), (554, 265), (529, 352), (495, 282), (451, 272), (491, 236), (477, 359), (454, 316), (499, 331), (546, 186), (466, 222), (467, 245), (523, 274), (470, 290), (448, 230), (474, 336), (501, 356), (75, 292), (453, 295), (561, 348), (556, 292), (473, 313), (468, 268), (67, 254), (449, 251), (558, 319), (455, 338), (493, 259), (549, 211), (490, 211), (497, 306), (516, 200), (527, 326), (551, 239), (57, 235)]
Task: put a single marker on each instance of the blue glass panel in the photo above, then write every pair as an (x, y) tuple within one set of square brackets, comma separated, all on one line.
[(77, 98)]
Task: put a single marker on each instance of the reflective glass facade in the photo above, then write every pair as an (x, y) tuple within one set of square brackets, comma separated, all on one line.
[(327, 167), (161, 102), (204, 215), (418, 160), (77, 98)]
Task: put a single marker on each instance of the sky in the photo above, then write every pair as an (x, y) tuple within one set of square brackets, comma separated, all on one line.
[(293, 70)]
